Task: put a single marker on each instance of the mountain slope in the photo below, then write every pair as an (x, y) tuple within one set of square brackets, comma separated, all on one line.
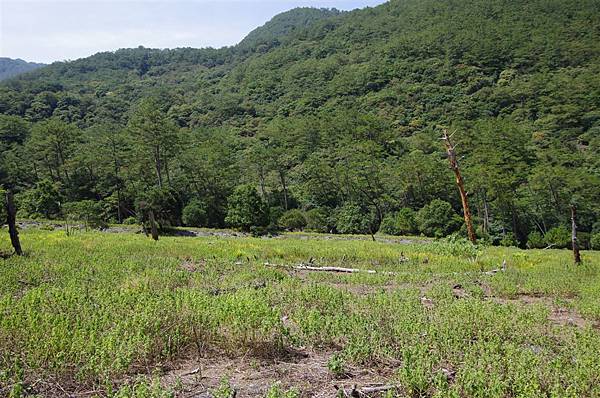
[(13, 67), (328, 110)]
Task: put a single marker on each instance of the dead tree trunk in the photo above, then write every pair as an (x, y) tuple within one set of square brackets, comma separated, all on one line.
[(11, 212), (576, 254), (153, 228), (461, 185)]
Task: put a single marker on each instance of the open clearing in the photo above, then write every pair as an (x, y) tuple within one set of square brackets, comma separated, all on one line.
[(99, 314)]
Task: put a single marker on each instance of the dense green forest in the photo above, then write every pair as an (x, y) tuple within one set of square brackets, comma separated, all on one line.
[(328, 121), (13, 67)]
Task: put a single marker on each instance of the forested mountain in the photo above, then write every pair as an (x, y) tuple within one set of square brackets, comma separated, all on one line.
[(328, 119), (13, 67)]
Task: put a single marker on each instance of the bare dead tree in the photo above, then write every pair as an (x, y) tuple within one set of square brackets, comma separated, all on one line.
[(11, 219), (574, 244), (450, 149)]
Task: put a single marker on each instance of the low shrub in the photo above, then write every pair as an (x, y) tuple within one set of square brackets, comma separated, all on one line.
[(352, 219), (318, 220), (194, 214), (535, 240), (438, 219), (558, 237), (400, 223), (292, 220)]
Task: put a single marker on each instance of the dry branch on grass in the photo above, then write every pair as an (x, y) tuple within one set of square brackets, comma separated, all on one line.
[(303, 267), (356, 392)]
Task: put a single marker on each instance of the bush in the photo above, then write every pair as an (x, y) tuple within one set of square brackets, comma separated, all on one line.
[(43, 201), (558, 237), (318, 220), (292, 220), (400, 223), (130, 221), (275, 213), (194, 214), (438, 219), (163, 202), (508, 240), (595, 241), (535, 240), (87, 211), (352, 219), (245, 208)]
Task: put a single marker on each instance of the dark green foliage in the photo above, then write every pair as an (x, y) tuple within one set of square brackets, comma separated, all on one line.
[(163, 202), (87, 211), (402, 222), (438, 219), (245, 208), (3, 214), (318, 220), (558, 237), (194, 214), (292, 220), (43, 201)]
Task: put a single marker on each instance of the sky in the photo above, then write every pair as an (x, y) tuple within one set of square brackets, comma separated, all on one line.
[(58, 30)]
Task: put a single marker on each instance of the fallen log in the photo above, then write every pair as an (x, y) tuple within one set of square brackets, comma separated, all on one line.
[(303, 267)]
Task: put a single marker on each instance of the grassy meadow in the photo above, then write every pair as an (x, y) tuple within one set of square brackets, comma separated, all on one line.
[(99, 314)]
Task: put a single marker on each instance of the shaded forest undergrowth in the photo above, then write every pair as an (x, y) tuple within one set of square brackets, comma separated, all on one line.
[(120, 315)]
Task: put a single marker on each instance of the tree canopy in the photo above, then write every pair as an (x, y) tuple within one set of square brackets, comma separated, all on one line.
[(335, 114)]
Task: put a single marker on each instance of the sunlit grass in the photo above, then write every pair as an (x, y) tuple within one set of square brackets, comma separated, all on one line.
[(94, 307)]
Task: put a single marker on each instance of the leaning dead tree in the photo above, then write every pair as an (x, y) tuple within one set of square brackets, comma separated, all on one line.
[(11, 218), (450, 149), (574, 244)]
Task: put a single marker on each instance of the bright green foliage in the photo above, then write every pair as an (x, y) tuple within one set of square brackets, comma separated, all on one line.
[(225, 390), (336, 365), (276, 391), (42, 201), (535, 240), (595, 241), (438, 219), (245, 208), (508, 240), (194, 214), (558, 237), (352, 219), (93, 309), (401, 223), (292, 220)]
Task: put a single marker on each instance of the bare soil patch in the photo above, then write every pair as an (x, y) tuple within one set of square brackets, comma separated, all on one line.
[(306, 372)]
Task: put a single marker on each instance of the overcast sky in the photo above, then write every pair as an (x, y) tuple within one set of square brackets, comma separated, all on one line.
[(56, 30)]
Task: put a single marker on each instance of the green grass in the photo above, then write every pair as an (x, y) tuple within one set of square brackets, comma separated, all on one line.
[(95, 309)]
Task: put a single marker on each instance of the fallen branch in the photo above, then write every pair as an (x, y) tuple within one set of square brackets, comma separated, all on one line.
[(365, 391), (303, 267)]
